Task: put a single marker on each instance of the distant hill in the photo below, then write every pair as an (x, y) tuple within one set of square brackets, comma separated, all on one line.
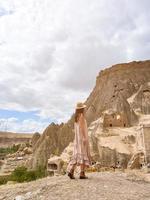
[(9, 138)]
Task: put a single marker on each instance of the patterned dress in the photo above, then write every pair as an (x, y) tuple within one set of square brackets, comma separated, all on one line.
[(81, 149)]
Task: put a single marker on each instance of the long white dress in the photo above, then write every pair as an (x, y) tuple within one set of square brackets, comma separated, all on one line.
[(81, 149)]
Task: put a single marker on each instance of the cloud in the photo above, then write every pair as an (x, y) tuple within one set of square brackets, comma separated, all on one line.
[(86, 60), (4, 10), (52, 51), (27, 125)]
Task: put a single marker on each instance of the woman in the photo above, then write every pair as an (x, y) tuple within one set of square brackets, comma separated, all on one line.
[(81, 151)]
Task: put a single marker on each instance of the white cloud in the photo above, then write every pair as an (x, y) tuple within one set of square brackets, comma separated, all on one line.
[(52, 51), (15, 125)]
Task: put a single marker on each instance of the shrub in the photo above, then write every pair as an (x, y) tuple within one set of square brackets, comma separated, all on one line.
[(8, 150), (21, 174), (41, 171), (4, 179)]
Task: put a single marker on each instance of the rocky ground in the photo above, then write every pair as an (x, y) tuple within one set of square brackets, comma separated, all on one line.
[(99, 186)]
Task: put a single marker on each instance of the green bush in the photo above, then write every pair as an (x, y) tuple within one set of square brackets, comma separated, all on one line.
[(21, 174), (8, 150), (41, 172), (4, 179)]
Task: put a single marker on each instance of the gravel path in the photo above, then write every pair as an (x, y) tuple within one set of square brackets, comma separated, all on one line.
[(99, 186)]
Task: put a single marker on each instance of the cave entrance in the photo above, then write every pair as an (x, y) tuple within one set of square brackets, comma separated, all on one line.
[(53, 166)]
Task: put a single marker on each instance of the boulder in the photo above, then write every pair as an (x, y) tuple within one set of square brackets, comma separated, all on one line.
[(27, 150)]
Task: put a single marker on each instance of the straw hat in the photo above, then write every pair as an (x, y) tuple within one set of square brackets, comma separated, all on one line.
[(80, 105)]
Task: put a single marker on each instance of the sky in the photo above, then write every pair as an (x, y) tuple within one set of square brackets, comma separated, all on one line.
[(52, 50)]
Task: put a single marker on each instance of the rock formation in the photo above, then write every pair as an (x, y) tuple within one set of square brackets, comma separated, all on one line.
[(140, 101), (119, 98), (34, 139), (52, 142), (114, 86), (111, 147)]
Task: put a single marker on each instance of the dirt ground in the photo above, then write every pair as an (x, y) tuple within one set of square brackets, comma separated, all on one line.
[(99, 186)]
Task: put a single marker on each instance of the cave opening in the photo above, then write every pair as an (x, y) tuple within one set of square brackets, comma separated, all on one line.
[(53, 166)]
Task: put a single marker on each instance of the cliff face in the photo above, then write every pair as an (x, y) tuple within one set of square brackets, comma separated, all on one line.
[(140, 101), (114, 86), (114, 92)]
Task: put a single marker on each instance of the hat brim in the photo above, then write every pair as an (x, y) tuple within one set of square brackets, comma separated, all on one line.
[(84, 106)]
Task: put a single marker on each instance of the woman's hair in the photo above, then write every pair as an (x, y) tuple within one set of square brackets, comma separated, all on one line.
[(78, 113)]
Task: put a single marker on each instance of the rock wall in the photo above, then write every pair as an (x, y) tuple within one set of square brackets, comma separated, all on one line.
[(140, 101), (114, 86), (112, 146)]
